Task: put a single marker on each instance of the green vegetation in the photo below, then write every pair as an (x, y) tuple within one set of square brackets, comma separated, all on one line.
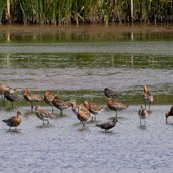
[(84, 11)]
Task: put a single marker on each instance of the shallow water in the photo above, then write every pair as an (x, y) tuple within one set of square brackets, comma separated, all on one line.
[(78, 63), (66, 146)]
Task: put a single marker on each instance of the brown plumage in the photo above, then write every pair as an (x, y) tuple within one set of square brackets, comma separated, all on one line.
[(13, 121), (4, 88), (142, 114), (168, 114), (81, 112), (31, 97), (42, 114), (48, 98), (60, 104), (93, 108), (147, 97), (115, 105)]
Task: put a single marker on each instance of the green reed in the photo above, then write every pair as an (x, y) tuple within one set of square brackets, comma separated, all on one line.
[(88, 11)]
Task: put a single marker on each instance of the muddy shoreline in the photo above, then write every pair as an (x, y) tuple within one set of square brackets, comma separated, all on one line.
[(92, 29)]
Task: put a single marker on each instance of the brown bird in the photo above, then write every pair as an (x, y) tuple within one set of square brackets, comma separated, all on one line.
[(48, 98), (13, 121), (115, 105), (168, 114), (93, 108), (81, 112), (147, 97), (60, 104), (108, 125), (3, 88), (143, 114), (31, 97), (42, 114)]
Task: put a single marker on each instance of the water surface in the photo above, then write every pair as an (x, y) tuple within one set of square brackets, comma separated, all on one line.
[(78, 63)]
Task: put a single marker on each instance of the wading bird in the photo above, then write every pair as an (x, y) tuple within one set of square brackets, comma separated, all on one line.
[(60, 104), (108, 125), (13, 121), (147, 97), (48, 98), (93, 108), (3, 89), (31, 97), (115, 105), (42, 114), (11, 96), (168, 114), (143, 114), (111, 93), (82, 113)]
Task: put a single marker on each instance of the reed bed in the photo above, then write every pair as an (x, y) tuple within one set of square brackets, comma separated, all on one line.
[(85, 11)]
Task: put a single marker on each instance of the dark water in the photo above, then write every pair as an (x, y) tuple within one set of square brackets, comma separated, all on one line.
[(79, 64)]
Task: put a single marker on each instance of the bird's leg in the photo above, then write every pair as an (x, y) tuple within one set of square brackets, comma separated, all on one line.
[(47, 121), (145, 105), (61, 112), (31, 105), (83, 124), (52, 109), (116, 113), (149, 106)]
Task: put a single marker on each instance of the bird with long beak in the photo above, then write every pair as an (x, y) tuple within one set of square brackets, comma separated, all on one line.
[(13, 121)]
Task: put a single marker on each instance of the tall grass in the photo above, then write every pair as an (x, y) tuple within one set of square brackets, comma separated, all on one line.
[(87, 11)]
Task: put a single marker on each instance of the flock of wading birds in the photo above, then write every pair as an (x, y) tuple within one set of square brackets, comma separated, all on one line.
[(83, 111)]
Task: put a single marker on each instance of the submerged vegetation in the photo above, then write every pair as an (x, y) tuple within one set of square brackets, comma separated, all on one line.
[(85, 11)]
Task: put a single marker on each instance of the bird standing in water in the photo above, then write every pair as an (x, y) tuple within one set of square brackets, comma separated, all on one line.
[(108, 125), (111, 93), (48, 98), (93, 108), (143, 114), (82, 113), (168, 114), (11, 97), (31, 97), (147, 97), (115, 105), (61, 104), (13, 121), (42, 114)]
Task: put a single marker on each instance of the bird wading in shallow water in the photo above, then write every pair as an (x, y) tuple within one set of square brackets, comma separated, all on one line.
[(143, 114), (12, 97), (93, 108), (108, 125), (31, 97), (42, 114), (168, 114), (60, 104), (13, 121), (111, 93), (48, 98), (115, 105), (82, 113), (147, 97)]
